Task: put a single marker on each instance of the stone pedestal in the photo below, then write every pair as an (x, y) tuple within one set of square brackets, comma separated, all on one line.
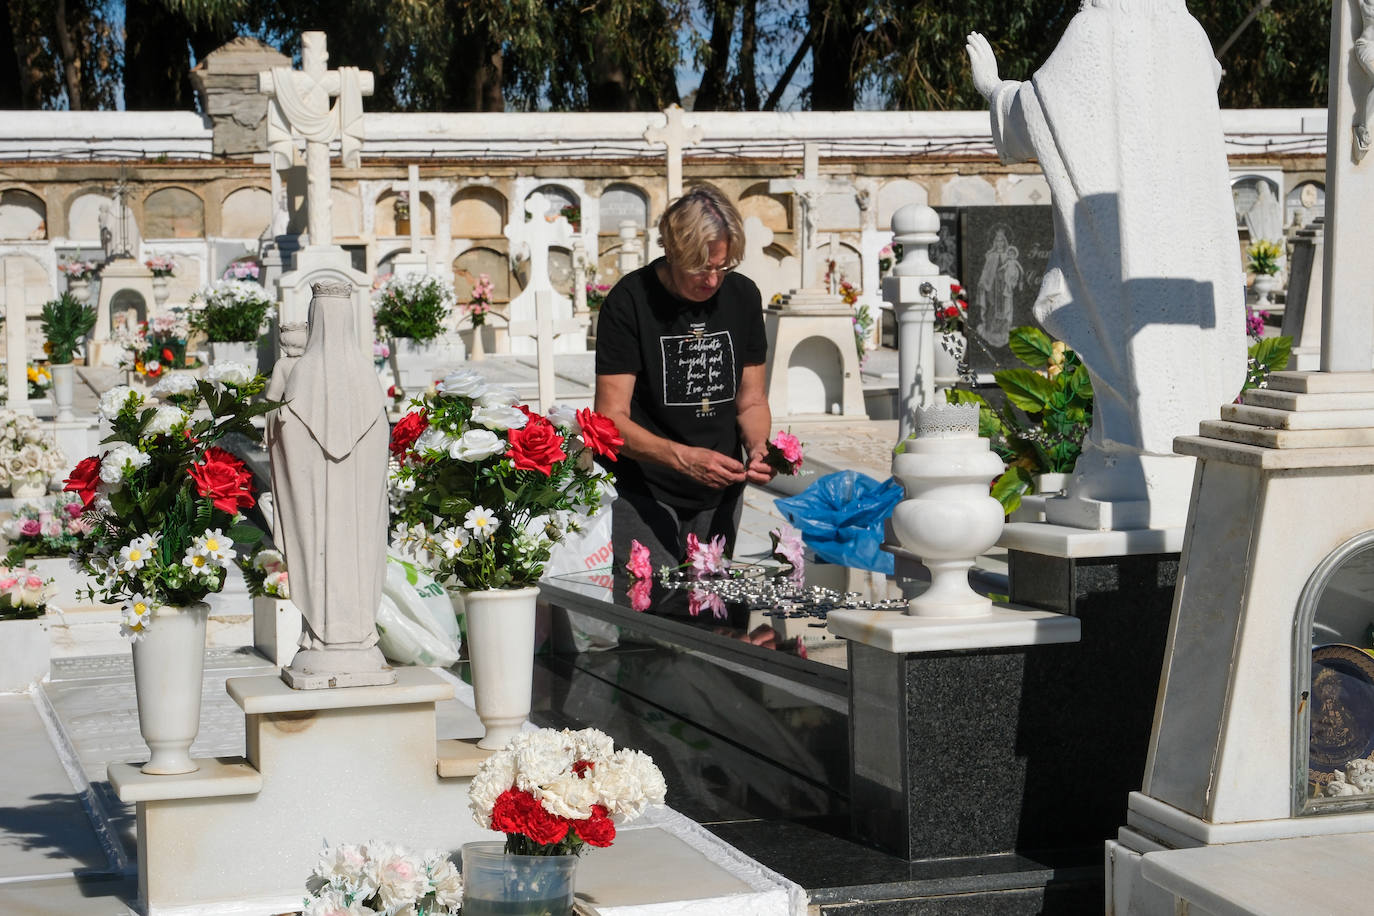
[(25, 650), (813, 366), (119, 275), (955, 748), (276, 628), (335, 766)]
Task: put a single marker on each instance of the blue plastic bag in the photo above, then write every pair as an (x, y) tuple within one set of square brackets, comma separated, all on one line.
[(841, 517)]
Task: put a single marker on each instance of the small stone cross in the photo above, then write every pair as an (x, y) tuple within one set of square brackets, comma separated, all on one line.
[(808, 190), (676, 136)]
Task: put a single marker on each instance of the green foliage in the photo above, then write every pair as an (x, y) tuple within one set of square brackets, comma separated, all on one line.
[(66, 322), (1269, 354), (234, 311), (1264, 257), (413, 307), (1048, 412)]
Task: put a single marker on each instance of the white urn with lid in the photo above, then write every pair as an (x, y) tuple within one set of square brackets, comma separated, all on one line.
[(948, 517)]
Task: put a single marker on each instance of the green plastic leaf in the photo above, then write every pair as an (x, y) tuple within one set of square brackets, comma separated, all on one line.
[(1008, 488), (1031, 345), (1025, 388)]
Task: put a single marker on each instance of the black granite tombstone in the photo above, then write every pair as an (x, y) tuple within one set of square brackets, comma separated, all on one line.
[(1003, 253), (945, 252)]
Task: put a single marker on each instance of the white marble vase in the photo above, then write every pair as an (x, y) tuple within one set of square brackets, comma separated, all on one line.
[(29, 486), (500, 633), (235, 351), (63, 379), (168, 664)]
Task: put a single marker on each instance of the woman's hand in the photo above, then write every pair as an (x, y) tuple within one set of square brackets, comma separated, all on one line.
[(709, 467), (758, 470)]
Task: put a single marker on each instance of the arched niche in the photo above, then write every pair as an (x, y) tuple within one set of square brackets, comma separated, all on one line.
[(1259, 208), (84, 216), (127, 309), (848, 261), (773, 210), (895, 194), (173, 213), (815, 382), (1334, 683), (1304, 204), (478, 212), (558, 196), (246, 213), (474, 262), (345, 214), (389, 221), (620, 202), (23, 215)]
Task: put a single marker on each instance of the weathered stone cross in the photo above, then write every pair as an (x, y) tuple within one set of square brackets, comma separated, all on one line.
[(676, 136), (808, 189), (299, 106)]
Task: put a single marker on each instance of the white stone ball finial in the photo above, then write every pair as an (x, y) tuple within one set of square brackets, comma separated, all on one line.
[(916, 227)]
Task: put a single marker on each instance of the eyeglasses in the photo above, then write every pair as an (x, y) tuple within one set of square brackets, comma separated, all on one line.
[(705, 272)]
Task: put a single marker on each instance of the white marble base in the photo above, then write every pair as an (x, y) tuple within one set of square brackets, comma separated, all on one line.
[(1179, 829), (812, 364), (1006, 625), (1097, 514), (305, 680), (25, 650), (341, 765), (1064, 541), (276, 629)]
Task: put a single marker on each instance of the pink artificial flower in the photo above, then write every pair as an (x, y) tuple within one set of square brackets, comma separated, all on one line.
[(33, 583), (790, 446), (787, 546), (638, 594), (73, 509), (31, 528), (639, 565), (706, 559), (699, 599), (8, 582)]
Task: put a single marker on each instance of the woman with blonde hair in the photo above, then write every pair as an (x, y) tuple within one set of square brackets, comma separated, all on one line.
[(680, 354)]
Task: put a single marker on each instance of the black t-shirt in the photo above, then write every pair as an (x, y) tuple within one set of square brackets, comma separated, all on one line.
[(687, 359)]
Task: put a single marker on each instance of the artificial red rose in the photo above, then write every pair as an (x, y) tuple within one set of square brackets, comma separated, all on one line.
[(954, 290), (223, 480), (597, 830), (406, 431), (168, 356), (535, 447), (520, 812), (599, 432), (84, 480)]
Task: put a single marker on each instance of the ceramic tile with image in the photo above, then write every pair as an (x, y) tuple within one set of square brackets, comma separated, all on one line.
[(1003, 252)]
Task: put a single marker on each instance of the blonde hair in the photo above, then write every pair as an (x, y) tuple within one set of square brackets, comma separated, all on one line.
[(696, 219)]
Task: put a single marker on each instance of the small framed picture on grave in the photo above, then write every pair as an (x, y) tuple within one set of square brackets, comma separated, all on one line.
[(1003, 252)]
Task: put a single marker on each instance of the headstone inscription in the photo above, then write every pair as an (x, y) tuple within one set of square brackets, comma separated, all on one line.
[(1004, 252)]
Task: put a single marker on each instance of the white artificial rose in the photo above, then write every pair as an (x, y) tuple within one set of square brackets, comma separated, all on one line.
[(463, 383), (112, 401), (112, 465), (476, 444), (500, 417), (432, 439), (15, 466), (498, 396), (32, 456), (165, 419), (177, 383), (229, 373), (565, 418)]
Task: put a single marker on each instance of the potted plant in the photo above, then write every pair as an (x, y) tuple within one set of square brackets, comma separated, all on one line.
[(276, 621), (553, 794), (410, 311), (162, 267), (29, 456), (79, 276), (25, 646), (951, 316), (163, 504), (66, 322), (487, 489), (232, 315), (1263, 261)]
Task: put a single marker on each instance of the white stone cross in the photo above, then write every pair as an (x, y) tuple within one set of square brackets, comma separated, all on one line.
[(16, 338), (676, 136), (413, 193), (536, 234), (1348, 299), (298, 105), (808, 190)]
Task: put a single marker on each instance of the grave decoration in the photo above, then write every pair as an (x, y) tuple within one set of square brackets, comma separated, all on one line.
[(50, 529), (1047, 411), (264, 572), (379, 877), (1006, 251), (479, 304), (784, 453), (488, 489), (162, 501), (66, 321), (155, 347), (161, 266), (24, 593), (29, 456), (1262, 260), (231, 311), (412, 307)]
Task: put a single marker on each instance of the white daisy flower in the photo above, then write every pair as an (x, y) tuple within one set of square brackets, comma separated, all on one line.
[(215, 547), (136, 616), (196, 561), (137, 553), (453, 540), (481, 522)]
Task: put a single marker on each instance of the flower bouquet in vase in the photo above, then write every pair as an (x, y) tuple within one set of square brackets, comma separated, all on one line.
[(162, 503), (232, 314), (29, 456), (486, 489), (378, 878), (553, 794), (410, 311), (66, 321)]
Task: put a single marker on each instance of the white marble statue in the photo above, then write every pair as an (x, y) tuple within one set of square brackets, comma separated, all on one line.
[(1147, 291), (1364, 53), (329, 457), (1264, 219), (292, 338)]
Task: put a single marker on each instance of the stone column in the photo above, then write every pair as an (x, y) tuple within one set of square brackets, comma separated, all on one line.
[(909, 290)]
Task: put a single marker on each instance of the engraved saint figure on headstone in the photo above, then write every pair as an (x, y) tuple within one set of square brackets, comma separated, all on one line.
[(329, 455)]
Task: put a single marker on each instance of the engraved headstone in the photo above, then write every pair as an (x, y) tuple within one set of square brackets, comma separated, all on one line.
[(947, 253), (1003, 255)]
